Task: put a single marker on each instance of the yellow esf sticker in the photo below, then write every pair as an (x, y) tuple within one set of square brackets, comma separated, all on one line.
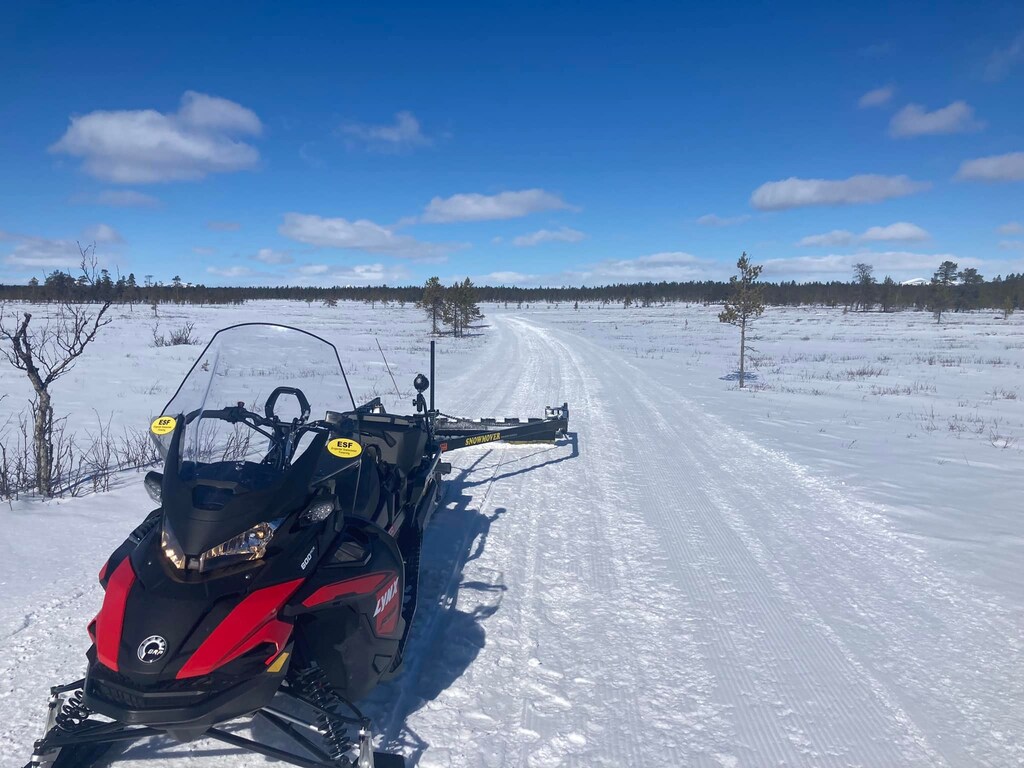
[(163, 425), (344, 448)]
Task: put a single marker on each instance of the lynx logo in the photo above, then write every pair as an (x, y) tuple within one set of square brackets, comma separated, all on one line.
[(483, 438), (384, 599), (152, 649)]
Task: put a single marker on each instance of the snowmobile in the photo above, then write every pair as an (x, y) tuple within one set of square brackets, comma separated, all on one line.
[(276, 582)]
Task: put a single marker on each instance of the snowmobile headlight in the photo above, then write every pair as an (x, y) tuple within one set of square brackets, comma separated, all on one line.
[(172, 549), (248, 545)]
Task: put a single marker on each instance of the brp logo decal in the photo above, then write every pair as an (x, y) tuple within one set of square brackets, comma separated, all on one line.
[(152, 649)]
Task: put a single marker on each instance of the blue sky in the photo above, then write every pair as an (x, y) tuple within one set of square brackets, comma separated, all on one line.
[(529, 143)]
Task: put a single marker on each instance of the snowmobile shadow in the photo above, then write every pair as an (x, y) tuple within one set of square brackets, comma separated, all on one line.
[(571, 439), (448, 632)]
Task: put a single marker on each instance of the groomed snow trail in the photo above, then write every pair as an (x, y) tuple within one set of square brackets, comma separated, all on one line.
[(663, 591)]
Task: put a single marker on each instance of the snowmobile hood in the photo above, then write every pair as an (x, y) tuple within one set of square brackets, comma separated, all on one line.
[(156, 626), (207, 504)]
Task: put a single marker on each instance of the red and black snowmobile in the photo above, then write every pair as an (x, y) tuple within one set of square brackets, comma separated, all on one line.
[(277, 579)]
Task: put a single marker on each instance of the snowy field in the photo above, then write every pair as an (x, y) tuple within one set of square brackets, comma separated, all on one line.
[(823, 570)]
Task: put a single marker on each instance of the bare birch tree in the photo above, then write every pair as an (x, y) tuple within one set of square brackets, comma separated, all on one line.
[(47, 352)]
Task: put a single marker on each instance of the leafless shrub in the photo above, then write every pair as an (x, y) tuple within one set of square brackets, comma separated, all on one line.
[(916, 388), (863, 372), (998, 393), (77, 467), (181, 336), (1002, 442)]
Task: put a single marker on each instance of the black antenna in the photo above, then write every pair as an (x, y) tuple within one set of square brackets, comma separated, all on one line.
[(388, 367), (433, 381)]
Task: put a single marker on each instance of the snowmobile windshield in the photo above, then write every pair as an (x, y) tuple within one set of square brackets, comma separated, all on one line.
[(225, 396)]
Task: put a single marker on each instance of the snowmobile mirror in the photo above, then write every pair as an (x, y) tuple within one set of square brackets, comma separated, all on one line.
[(421, 383), (154, 486)]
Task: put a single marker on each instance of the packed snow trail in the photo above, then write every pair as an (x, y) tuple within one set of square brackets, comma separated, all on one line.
[(664, 591), (657, 590)]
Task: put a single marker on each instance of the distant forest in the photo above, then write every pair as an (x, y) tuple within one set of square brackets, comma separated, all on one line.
[(1000, 293)]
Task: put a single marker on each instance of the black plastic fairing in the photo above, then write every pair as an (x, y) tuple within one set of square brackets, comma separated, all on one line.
[(207, 504)]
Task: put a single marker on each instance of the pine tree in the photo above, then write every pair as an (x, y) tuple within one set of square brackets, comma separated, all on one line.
[(887, 296), (968, 294), (942, 288), (433, 301), (745, 304)]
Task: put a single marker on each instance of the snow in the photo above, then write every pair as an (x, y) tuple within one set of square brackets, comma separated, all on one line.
[(820, 570)]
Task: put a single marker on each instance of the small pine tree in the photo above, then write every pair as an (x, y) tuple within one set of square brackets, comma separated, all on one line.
[(745, 304), (433, 301), (942, 288), (968, 294), (460, 307), (1007, 307), (887, 296), (469, 310)]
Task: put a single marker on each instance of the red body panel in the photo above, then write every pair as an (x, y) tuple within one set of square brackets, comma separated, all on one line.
[(110, 620), (360, 585), (253, 621)]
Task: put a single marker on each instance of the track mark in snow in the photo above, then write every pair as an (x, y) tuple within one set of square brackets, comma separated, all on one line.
[(831, 640)]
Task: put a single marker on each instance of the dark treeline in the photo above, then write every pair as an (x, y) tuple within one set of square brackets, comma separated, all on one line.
[(998, 293)]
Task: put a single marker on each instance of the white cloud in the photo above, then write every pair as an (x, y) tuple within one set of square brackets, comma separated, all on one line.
[(841, 265), (200, 250), (913, 120), (864, 188), (876, 97), (361, 235), (828, 239), (270, 256), (360, 274), (668, 266), (901, 231), (102, 233), (504, 205), (223, 226), (404, 134), (1010, 228), (198, 110), (506, 278), (713, 220), (145, 146), (1012, 245), (236, 271), (563, 235), (1002, 60), (118, 198), (43, 252), (1008, 167), (57, 253)]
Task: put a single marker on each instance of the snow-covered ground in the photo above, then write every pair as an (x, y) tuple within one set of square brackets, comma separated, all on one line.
[(821, 571)]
